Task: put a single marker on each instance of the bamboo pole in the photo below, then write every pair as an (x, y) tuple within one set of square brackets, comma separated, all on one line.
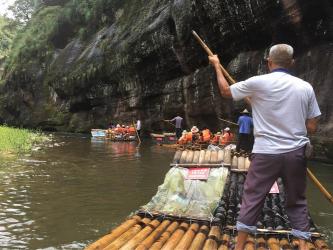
[(165, 236), (261, 244), (135, 241), (225, 242), (125, 237), (213, 237), (114, 234), (200, 238), (284, 244), (169, 122), (273, 243), (149, 241), (249, 244), (187, 239), (321, 244), (210, 53), (228, 121), (310, 246), (320, 186), (176, 237)]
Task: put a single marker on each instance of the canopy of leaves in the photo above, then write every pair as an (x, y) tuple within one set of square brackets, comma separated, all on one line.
[(7, 33), (23, 9)]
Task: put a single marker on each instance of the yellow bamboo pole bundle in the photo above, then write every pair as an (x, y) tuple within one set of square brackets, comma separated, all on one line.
[(202, 156), (321, 244), (183, 157), (187, 239), (134, 242), (225, 242), (273, 244), (165, 236), (189, 157), (196, 157), (114, 234), (249, 245), (284, 244), (213, 157), (261, 244), (125, 237), (200, 238), (207, 156), (177, 156), (176, 237), (213, 237), (149, 241)]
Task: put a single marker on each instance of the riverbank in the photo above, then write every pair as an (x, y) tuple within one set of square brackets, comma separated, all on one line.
[(18, 140)]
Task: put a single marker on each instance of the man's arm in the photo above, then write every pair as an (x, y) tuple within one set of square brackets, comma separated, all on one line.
[(311, 125), (221, 81)]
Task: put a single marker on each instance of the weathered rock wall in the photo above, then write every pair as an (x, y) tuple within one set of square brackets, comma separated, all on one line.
[(145, 63)]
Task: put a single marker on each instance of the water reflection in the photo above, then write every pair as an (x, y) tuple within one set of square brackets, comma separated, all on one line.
[(65, 197)]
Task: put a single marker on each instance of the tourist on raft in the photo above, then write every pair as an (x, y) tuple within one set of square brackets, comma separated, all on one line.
[(227, 136), (178, 125), (284, 110), (195, 134), (245, 124)]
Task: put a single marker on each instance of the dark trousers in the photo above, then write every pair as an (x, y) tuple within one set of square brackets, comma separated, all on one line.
[(244, 142), (178, 132), (264, 171)]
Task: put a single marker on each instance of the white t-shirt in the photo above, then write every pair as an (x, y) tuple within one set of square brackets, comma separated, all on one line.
[(138, 125), (281, 103)]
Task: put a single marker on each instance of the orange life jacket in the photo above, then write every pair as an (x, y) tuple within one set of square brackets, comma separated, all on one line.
[(216, 139), (131, 130), (227, 138), (189, 136), (206, 135)]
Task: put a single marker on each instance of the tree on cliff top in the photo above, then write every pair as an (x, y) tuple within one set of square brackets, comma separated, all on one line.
[(23, 9)]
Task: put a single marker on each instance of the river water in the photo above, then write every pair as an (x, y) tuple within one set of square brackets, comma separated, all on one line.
[(69, 195)]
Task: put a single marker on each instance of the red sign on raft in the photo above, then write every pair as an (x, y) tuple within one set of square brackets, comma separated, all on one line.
[(198, 174), (274, 189), (159, 139)]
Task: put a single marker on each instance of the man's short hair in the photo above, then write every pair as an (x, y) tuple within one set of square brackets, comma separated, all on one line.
[(281, 55)]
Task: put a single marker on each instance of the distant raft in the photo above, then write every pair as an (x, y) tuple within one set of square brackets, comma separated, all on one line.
[(170, 230), (164, 139), (111, 135)]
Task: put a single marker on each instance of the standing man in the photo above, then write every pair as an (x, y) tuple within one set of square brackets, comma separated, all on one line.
[(244, 136), (178, 124), (284, 110), (138, 126)]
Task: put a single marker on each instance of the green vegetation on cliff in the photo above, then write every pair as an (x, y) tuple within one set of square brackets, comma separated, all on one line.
[(7, 33), (14, 140), (52, 27)]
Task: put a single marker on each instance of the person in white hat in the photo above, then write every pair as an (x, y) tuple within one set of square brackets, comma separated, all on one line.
[(227, 136), (195, 134), (245, 124), (194, 129), (285, 110)]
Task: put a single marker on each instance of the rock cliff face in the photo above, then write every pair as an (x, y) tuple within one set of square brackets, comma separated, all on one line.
[(139, 59)]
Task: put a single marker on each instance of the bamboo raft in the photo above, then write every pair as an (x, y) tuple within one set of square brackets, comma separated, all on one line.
[(170, 140), (153, 230), (104, 135)]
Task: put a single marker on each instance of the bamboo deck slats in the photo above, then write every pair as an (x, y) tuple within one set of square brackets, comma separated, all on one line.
[(154, 233)]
